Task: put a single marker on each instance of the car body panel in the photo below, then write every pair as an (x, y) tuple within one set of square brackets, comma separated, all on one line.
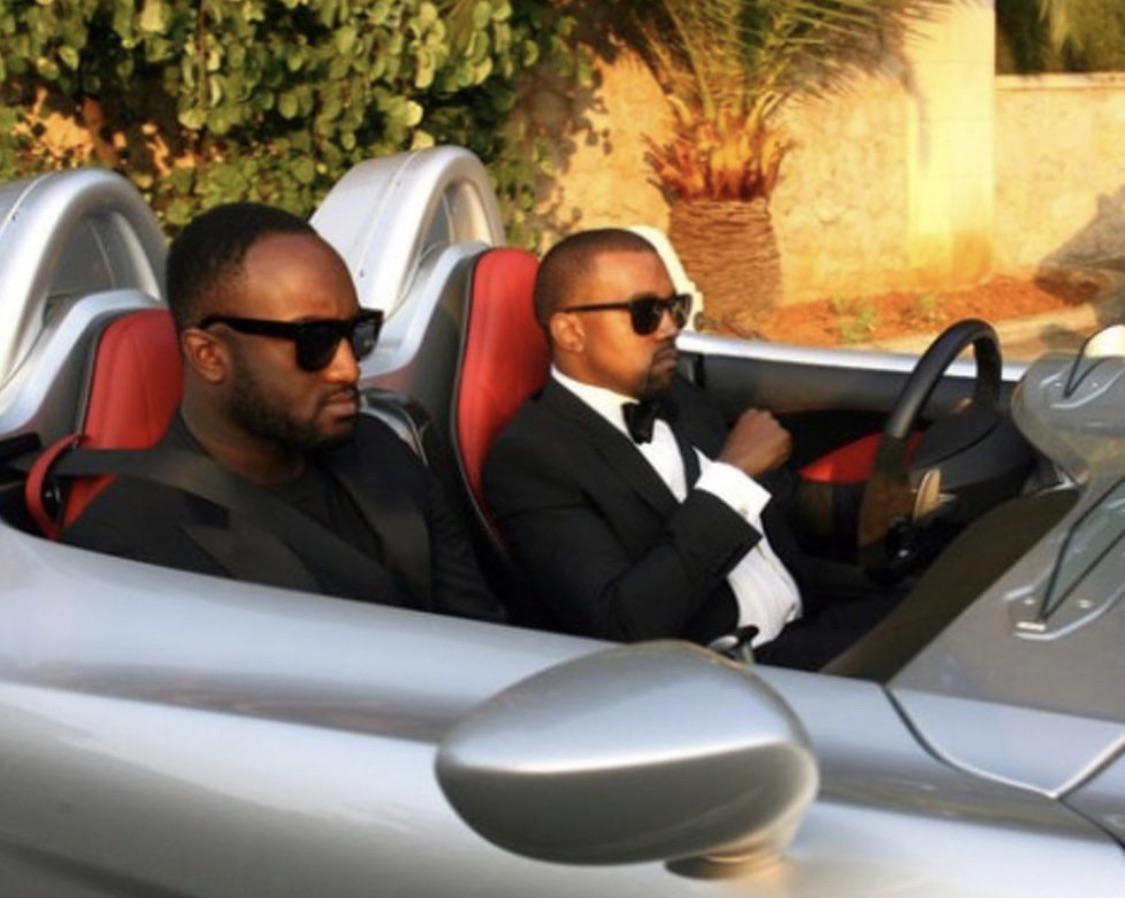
[(43, 393), (67, 233), (869, 753), (437, 198), (1042, 750), (417, 354), (1099, 798), (290, 741)]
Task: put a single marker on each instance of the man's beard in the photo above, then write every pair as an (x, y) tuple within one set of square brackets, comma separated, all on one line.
[(252, 408), (658, 384)]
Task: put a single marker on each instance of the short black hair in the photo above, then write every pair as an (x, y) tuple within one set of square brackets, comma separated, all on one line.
[(571, 260), (207, 255)]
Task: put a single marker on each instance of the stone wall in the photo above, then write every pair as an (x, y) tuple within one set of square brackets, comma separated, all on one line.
[(840, 209), (1060, 170), (598, 139)]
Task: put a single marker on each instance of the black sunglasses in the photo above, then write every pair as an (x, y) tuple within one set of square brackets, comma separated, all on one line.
[(317, 339), (645, 312)]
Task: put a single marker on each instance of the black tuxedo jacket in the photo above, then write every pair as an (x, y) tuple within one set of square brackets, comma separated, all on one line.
[(427, 562), (604, 542)]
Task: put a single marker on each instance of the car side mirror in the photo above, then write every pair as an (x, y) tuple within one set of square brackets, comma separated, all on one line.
[(659, 751)]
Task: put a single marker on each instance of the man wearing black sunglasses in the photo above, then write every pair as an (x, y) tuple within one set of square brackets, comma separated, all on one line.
[(633, 510), (281, 479)]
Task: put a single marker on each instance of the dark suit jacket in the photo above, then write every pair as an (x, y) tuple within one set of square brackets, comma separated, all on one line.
[(605, 543), (427, 562)]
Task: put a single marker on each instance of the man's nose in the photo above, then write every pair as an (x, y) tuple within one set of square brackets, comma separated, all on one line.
[(668, 326), (343, 368)]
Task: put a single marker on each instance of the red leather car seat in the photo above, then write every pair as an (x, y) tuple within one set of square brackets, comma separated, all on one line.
[(504, 359), (853, 462), (134, 389)]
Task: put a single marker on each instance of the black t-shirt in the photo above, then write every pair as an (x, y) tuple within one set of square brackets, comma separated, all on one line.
[(317, 494)]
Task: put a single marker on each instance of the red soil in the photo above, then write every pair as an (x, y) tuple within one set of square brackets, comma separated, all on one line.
[(832, 322)]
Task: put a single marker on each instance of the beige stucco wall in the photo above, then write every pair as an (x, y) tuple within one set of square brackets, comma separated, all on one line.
[(891, 186), (598, 140), (1060, 170), (951, 190), (840, 209)]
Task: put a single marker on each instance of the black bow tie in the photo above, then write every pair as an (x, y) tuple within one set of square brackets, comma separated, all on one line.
[(641, 416)]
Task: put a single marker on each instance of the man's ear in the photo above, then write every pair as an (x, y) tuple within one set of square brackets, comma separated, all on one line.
[(567, 332), (205, 354)]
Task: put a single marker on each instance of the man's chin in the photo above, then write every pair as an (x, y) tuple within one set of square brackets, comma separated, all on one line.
[(333, 436), (659, 381), (662, 371)]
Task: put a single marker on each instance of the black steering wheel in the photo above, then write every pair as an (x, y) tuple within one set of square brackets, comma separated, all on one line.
[(887, 508)]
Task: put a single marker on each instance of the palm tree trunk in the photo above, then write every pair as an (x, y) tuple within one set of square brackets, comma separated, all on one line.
[(729, 249)]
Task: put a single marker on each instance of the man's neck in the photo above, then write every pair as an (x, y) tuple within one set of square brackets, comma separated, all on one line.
[(583, 376), (250, 456)]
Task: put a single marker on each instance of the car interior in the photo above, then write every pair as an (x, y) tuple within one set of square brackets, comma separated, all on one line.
[(119, 383)]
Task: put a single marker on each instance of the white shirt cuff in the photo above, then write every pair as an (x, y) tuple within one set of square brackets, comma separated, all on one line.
[(745, 497)]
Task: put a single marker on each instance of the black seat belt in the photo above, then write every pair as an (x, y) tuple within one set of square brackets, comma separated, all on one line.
[(197, 475)]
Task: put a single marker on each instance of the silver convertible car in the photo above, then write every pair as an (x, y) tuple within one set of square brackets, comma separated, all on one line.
[(170, 734)]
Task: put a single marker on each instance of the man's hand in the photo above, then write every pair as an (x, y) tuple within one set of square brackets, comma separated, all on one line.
[(757, 443)]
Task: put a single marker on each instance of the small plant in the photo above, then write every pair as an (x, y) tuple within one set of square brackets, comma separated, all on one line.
[(927, 310), (855, 321)]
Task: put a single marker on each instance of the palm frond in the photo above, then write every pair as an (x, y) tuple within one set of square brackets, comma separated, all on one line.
[(731, 64), (1056, 15)]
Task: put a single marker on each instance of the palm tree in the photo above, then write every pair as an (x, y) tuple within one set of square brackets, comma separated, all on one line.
[(727, 67)]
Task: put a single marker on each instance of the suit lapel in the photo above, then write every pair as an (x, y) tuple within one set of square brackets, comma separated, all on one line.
[(687, 456), (243, 551), (622, 457), (697, 421), (392, 513), (249, 555)]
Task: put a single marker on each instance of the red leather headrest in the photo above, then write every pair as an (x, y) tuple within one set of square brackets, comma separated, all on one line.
[(504, 360), (135, 388)]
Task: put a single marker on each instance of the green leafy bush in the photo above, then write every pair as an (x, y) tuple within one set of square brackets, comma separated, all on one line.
[(204, 101)]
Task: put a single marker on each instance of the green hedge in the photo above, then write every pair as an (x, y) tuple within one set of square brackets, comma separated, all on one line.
[(273, 100)]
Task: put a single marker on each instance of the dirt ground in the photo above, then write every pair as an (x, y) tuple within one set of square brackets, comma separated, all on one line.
[(844, 321)]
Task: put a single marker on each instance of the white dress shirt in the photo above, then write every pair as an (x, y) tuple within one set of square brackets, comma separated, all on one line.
[(766, 593)]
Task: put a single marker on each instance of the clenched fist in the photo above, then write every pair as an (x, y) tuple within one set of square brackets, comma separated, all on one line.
[(757, 443)]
